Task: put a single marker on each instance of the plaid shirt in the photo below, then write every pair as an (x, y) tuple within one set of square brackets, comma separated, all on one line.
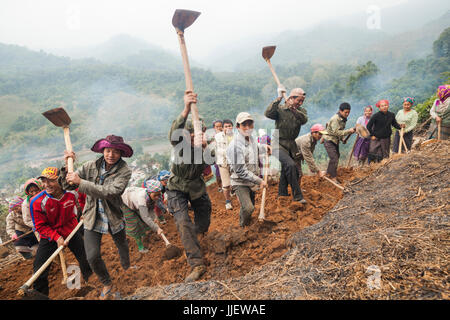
[(101, 220)]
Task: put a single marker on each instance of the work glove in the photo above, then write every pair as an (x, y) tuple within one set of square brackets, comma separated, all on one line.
[(14, 237), (280, 91)]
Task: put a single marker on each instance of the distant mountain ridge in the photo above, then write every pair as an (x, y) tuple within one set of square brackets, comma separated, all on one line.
[(336, 42), (126, 50), (331, 42), (14, 58)]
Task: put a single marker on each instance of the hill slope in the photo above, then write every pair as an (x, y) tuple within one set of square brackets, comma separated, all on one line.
[(320, 251), (400, 229)]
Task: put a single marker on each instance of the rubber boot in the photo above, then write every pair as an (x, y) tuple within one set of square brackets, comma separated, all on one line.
[(141, 247)]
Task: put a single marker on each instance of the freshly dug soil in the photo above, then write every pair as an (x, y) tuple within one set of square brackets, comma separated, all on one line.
[(229, 250), (388, 238)]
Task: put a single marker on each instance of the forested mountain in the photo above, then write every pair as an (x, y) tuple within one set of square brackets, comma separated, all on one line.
[(17, 59), (336, 42)]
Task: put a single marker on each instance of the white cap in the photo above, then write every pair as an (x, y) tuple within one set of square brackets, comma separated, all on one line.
[(296, 92), (243, 116)]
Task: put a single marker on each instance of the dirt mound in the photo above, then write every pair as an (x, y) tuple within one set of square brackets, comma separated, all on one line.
[(229, 250), (387, 239)]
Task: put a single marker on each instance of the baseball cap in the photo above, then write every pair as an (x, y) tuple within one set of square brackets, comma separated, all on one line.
[(51, 173), (243, 116)]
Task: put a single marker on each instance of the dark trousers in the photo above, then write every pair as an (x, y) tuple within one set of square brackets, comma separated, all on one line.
[(27, 241), (177, 202), (379, 149), (92, 243), (47, 248), (289, 175), (247, 200), (408, 137), (333, 154)]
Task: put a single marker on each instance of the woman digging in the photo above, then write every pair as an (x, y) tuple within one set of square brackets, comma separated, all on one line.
[(15, 227), (137, 208), (103, 181)]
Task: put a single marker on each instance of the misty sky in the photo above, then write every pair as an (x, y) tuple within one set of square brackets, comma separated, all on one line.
[(46, 24)]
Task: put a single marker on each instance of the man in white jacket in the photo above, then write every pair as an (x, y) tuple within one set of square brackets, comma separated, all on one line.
[(223, 139), (243, 155)]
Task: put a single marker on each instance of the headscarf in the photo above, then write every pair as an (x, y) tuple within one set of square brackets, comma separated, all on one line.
[(30, 182), (318, 128), (381, 101), (163, 175), (443, 92), (409, 99), (152, 186), (14, 203)]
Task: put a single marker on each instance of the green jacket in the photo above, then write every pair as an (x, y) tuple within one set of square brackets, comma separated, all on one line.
[(288, 124), (110, 192), (186, 177), (335, 129)]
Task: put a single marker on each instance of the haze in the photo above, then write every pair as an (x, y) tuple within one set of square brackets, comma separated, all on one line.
[(56, 24)]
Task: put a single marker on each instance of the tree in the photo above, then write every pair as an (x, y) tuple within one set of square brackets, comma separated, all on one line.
[(358, 84), (320, 79), (294, 82), (441, 47)]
